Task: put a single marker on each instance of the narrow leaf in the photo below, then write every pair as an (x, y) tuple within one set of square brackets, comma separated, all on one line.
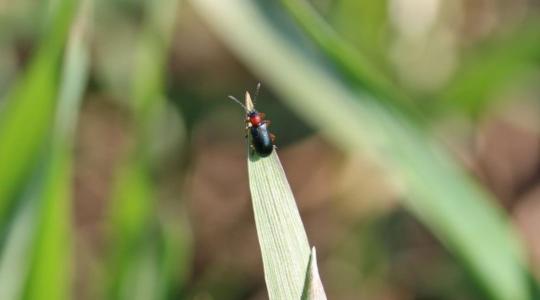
[(283, 240), (14, 263), (29, 110), (313, 288), (352, 61), (50, 270)]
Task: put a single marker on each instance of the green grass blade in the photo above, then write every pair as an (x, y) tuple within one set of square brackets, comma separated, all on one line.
[(442, 196), (50, 274), (14, 264), (352, 61), (50, 270), (29, 112), (313, 288), (284, 244)]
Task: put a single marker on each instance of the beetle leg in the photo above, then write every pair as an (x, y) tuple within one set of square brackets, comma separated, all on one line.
[(272, 137), (262, 115), (267, 122)]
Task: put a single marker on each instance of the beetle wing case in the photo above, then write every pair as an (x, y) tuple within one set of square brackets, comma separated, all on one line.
[(260, 138)]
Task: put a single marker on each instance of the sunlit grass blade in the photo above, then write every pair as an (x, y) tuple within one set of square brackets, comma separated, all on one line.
[(313, 288), (14, 264), (282, 237), (441, 195), (50, 274), (50, 269), (29, 111)]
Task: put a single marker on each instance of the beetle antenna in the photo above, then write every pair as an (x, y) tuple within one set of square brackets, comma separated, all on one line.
[(257, 92), (238, 101)]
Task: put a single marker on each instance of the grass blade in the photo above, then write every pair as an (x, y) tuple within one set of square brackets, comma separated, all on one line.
[(29, 111), (50, 259), (50, 270), (313, 288), (14, 263), (284, 244), (352, 61)]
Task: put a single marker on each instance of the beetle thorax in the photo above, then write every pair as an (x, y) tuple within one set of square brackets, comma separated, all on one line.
[(255, 119)]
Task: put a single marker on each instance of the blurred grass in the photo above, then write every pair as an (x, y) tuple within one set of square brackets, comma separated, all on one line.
[(131, 222), (138, 269), (50, 274), (364, 24), (151, 58), (351, 60), (50, 257), (489, 69), (45, 242), (28, 115), (441, 195), (47, 239), (14, 263)]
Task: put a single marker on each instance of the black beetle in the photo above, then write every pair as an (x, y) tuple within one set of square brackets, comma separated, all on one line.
[(262, 141)]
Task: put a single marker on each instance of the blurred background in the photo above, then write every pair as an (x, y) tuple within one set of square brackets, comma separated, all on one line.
[(409, 131)]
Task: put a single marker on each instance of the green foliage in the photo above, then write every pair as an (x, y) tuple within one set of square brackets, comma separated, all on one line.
[(131, 222), (138, 269), (50, 271), (364, 23), (47, 239), (50, 274), (489, 69), (29, 112), (356, 64)]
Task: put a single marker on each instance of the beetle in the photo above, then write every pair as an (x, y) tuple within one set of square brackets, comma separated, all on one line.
[(262, 141)]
